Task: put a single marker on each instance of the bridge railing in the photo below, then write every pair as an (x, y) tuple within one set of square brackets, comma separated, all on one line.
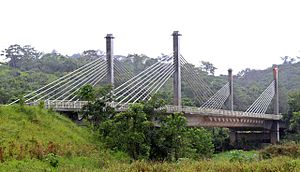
[(62, 104), (219, 112)]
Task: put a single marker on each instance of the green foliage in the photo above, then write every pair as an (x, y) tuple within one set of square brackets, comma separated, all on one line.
[(172, 139), (208, 67), (295, 122), (87, 93), (290, 149), (294, 101), (52, 159), (220, 138), (242, 156), (201, 142), (128, 132)]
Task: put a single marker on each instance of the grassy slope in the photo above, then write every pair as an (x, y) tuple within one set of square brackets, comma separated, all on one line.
[(28, 125), (30, 134)]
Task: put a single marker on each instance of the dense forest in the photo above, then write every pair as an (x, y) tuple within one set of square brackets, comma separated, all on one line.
[(27, 69)]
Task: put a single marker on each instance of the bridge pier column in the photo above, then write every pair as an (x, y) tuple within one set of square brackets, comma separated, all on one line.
[(233, 137), (177, 73), (110, 62), (274, 133), (275, 126)]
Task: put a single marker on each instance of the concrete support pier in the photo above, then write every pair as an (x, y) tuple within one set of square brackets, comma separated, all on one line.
[(177, 73), (110, 62), (275, 126)]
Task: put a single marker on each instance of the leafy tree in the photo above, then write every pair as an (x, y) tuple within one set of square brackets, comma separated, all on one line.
[(201, 142), (21, 57), (97, 110), (128, 132), (91, 54), (172, 139), (87, 93), (294, 101), (293, 117), (208, 67), (220, 138), (288, 60)]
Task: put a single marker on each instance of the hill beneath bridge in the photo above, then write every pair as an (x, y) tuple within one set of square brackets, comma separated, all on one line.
[(34, 139)]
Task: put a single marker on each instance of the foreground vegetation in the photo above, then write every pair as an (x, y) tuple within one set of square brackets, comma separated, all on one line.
[(34, 139)]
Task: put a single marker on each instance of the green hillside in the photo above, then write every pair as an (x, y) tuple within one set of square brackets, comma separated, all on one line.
[(33, 139)]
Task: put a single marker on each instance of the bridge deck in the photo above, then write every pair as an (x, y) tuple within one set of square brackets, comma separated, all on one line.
[(59, 105)]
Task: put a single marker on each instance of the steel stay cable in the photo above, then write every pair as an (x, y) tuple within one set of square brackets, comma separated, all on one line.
[(97, 81), (100, 77), (207, 91), (148, 77), (193, 72), (215, 95), (257, 101), (160, 84), (119, 64), (27, 95), (195, 89), (218, 100), (150, 81), (79, 77), (65, 81), (195, 93), (120, 71), (164, 81), (137, 82), (161, 74), (267, 103), (261, 95), (203, 84), (162, 65), (83, 82), (156, 83), (264, 102), (263, 108), (91, 71), (222, 100), (144, 72)]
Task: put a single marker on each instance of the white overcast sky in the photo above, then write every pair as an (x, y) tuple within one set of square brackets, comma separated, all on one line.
[(230, 34)]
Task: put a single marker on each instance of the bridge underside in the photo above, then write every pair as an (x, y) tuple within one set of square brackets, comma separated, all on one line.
[(237, 123)]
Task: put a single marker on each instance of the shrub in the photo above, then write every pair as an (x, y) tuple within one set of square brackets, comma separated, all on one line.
[(52, 159), (242, 156), (290, 149)]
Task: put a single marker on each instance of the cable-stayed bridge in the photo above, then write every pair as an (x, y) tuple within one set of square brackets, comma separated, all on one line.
[(61, 94)]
